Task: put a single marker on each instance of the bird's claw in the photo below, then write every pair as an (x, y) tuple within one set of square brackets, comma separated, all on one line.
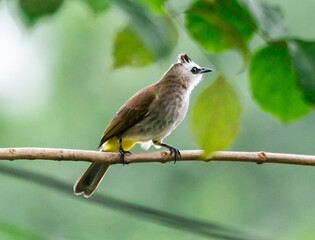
[(176, 153), (122, 154)]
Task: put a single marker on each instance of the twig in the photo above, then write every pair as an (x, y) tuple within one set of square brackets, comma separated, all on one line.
[(162, 157)]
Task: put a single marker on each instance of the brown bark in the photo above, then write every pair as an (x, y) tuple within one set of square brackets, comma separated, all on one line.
[(162, 157)]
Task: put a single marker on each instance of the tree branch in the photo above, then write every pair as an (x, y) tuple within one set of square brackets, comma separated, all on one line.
[(162, 157)]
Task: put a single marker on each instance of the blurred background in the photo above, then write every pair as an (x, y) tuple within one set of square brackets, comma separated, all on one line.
[(59, 88)]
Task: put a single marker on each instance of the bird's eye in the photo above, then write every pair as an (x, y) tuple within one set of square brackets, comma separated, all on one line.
[(194, 70)]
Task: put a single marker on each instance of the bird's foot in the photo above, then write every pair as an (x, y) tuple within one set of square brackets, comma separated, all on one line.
[(172, 150), (122, 153), (176, 153)]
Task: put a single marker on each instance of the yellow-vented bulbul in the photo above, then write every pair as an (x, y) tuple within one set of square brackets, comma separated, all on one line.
[(147, 118)]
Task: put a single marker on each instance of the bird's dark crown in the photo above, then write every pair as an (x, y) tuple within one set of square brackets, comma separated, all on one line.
[(183, 58)]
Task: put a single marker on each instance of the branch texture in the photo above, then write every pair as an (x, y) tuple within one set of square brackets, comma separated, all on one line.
[(162, 157)]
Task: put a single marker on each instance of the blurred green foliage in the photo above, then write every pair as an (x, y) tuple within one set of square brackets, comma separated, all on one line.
[(276, 88), (268, 18), (129, 50), (98, 6), (220, 25), (216, 113), (303, 60), (154, 6), (156, 32), (34, 9), (79, 93)]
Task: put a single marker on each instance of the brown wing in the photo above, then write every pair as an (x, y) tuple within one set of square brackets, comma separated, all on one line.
[(132, 112)]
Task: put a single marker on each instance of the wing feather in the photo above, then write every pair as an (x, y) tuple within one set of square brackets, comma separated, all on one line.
[(132, 112)]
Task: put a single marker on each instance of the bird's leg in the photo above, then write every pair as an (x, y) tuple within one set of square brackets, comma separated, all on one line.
[(171, 148), (122, 152)]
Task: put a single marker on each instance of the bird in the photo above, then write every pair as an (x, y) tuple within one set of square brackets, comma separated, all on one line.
[(146, 118)]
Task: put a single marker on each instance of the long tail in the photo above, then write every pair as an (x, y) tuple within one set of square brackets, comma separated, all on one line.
[(90, 179)]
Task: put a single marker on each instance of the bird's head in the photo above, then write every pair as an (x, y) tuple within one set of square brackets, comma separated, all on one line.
[(186, 71)]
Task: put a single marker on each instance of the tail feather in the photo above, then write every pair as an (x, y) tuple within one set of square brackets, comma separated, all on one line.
[(90, 179)]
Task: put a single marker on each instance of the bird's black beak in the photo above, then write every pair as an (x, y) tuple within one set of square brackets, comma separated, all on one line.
[(205, 70)]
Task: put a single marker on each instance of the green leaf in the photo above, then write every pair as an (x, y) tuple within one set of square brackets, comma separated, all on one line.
[(8, 231), (216, 115), (220, 24), (303, 59), (35, 9), (98, 6), (154, 6), (268, 18), (129, 50), (157, 33), (274, 83)]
